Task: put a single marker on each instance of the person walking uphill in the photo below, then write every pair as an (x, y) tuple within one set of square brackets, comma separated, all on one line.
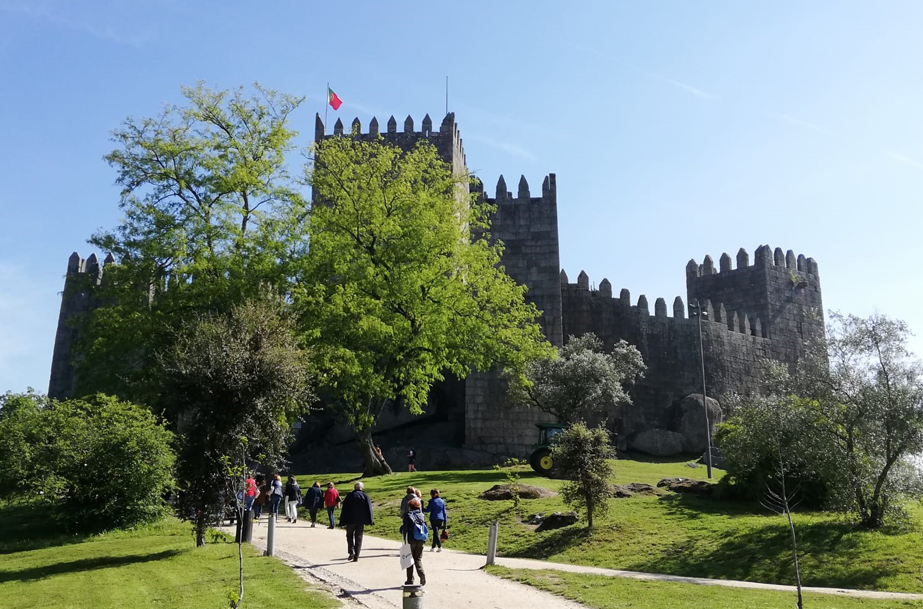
[(275, 495), (438, 518), (331, 501), (414, 528), (313, 501), (354, 515), (292, 499)]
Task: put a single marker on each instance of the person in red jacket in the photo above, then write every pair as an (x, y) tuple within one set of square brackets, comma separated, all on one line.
[(331, 501), (250, 493)]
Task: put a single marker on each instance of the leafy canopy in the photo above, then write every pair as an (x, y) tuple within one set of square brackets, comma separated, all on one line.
[(582, 381), (211, 216), (851, 415), (107, 463), (583, 456), (236, 382), (403, 284)]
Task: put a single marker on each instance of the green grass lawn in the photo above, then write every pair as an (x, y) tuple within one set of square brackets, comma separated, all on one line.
[(673, 534), (617, 593), (154, 566)]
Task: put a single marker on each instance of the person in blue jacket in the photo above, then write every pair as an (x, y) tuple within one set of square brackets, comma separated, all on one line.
[(438, 518), (355, 514)]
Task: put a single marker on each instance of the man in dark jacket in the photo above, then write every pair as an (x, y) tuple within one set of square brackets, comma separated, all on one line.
[(354, 515), (314, 501)]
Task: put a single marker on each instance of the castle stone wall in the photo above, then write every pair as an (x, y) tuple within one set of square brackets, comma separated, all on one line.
[(669, 344)]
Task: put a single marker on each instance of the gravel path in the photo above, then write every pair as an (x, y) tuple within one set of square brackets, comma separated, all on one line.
[(454, 579)]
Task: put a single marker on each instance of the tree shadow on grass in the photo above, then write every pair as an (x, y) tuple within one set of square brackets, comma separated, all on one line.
[(829, 555), (693, 507), (554, 543), (84, 564), (33, 527)]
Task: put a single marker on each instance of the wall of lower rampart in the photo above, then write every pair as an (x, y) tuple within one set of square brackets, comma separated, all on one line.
[(669, 343)]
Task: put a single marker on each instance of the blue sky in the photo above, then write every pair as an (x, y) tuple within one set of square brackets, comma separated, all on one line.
[(676, 129)]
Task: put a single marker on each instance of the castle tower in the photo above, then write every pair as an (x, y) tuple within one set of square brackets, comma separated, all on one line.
[(77, 299), (779, 291), (528, 228)]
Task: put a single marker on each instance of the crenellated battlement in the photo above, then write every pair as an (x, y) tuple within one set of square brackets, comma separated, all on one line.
[(716, 315), (764, 257), (523, 192), (447, 139)]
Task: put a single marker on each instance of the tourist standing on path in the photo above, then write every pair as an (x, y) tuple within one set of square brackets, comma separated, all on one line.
[(292, 499), (411, 460), (275, 495), (411, 494), (331, 501), (262, 496), (355, 514), (414, 521), (313, 501), (438, 518), (249, 492)]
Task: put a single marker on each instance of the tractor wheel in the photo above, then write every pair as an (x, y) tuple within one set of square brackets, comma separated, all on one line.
[(542, 462)]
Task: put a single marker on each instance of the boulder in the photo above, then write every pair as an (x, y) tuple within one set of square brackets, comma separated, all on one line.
[(534, 519), (557, 520), (640, 488), (500, 492), (690, 421), (690, 487), (620, 491), (658, 442), (623, 491)]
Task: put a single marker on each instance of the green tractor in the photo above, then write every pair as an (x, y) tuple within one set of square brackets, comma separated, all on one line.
[(541, 460)]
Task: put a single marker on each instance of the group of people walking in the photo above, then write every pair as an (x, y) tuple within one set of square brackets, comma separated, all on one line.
[(260, 492)]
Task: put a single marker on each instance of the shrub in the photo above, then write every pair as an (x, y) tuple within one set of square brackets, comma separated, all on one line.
[(107, 463), (582, 455)]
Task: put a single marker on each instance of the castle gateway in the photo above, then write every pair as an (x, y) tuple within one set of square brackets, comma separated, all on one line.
[(767, 309)]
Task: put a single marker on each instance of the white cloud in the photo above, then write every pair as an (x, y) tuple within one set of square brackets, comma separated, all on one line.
[(44, 11), (682, 86), (505, 146), (900, 158)]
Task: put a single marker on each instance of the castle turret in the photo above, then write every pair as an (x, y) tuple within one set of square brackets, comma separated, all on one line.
[(77, 299), (777, 297)]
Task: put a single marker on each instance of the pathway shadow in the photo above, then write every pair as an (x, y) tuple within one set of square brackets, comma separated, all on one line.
[(85, 564)]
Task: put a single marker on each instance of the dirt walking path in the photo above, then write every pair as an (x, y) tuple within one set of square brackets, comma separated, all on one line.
[(454, 579)]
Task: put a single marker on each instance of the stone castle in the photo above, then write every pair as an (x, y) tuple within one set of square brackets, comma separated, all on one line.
[(767, 309)]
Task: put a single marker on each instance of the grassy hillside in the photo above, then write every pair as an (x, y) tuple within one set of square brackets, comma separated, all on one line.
[(153, 566), (671, 533), (604, 592)]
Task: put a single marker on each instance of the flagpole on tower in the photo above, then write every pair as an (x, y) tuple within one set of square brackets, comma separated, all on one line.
[(446, 94), (326, 105)]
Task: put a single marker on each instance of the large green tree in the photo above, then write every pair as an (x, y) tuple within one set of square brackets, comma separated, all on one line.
[(583, 381), (403, 283), (211, 217), (849, 416), (236, 382)]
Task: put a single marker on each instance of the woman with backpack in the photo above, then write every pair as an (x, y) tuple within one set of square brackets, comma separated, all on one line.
[(438, 518), (415, 534), (292, 499)]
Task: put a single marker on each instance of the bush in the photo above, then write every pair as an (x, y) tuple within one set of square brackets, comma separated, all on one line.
[(107, 463), (582, 456)]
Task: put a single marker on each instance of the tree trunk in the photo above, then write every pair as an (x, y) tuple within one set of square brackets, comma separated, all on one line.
[(201, 525), (374, 465), (589, 512)]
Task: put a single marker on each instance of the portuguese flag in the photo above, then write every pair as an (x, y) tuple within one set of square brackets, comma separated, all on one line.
[(332, 99)]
